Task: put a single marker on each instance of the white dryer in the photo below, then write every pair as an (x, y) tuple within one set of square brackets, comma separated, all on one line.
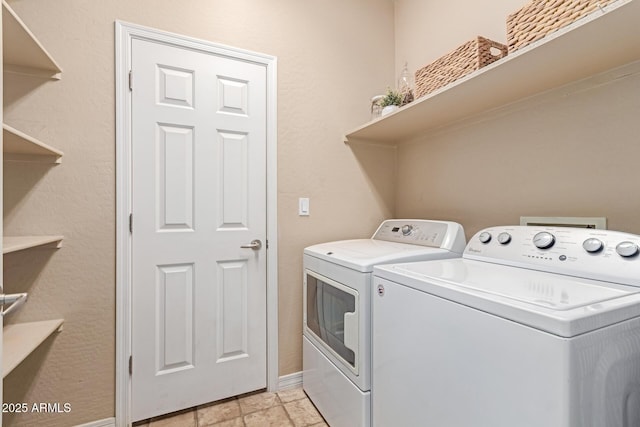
[(534, 326), (337, 310)]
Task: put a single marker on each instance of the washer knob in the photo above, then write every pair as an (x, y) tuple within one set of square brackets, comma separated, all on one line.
[(593, 245), (627, 249), (504, 238), (406, 229), (485, 237), (544, 240)]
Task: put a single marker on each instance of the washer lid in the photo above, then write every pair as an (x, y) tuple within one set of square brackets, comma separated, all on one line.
[(559, 304), (363, 254)]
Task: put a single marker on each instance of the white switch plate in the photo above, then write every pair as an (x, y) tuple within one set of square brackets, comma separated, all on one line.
[(303, 206)]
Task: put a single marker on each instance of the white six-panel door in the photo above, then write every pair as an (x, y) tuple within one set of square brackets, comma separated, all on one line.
[(198, 196)]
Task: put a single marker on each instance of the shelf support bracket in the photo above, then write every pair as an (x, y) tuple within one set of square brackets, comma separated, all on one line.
[(14, 301)]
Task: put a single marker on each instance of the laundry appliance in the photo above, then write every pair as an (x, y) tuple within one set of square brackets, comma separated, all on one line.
[(337, 314), (533, 326)]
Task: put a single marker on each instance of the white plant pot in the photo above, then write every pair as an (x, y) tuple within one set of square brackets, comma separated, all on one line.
[(389, 109)]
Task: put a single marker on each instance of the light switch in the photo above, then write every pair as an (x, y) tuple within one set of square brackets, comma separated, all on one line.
[(303, 206)]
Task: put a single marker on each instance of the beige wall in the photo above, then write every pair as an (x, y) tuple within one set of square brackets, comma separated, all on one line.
[(572, 152), (332, 57), (569, 152)]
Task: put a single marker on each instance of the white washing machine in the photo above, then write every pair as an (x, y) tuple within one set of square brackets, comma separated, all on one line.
[(532, 327), (337, 310)]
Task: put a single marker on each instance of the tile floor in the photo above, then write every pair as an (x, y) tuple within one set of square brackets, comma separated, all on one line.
[(286, 408)]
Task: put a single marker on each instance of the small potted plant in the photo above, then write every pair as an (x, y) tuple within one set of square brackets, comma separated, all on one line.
[(390, 102)]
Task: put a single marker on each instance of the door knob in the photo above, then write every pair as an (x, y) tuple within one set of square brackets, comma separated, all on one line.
[(256, 245)]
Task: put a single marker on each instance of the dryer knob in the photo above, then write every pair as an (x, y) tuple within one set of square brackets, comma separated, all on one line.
[(407, 229), (504, 238), (544, 240), (485, 237), (593, 245), (627, 249)]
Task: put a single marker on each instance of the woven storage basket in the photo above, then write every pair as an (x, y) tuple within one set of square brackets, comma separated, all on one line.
[(467, 58), (541, 17)]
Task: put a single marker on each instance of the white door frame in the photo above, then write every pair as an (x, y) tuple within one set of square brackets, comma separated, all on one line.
[(124, 33)]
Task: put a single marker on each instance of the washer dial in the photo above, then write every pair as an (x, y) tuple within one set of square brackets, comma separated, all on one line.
[(407, 229), (504, 238), (593, 245), (484, 237), (627, 249), (544, 240)]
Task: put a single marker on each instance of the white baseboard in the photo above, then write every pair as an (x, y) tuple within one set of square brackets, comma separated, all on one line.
[(290, 381), (107, 422), (284, 382)]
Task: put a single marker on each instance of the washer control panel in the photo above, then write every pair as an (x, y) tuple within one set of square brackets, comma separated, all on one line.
[(437, 234), (596, 254)]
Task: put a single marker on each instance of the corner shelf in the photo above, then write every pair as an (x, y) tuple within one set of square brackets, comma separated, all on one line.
[(18, 146), (19, 243), (21, 339), (604, 40), (21, 50)]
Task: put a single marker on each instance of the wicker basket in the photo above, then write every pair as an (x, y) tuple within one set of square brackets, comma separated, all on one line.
[(541, 17), (467, 58)]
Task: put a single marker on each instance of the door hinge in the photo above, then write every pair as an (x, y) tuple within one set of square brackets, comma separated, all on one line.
[(130, 223), (266, 243), (130, 365), (130, 80)]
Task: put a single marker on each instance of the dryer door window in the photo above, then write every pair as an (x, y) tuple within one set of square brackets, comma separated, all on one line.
[(332, 316)]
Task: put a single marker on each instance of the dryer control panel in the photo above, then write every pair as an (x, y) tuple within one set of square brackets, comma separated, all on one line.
[(437, 234), (594, 254)]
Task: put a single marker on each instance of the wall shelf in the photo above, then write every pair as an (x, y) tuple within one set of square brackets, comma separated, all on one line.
[(18, 146), (604, 40), (19, 243), (21, 339), (22, 52)]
